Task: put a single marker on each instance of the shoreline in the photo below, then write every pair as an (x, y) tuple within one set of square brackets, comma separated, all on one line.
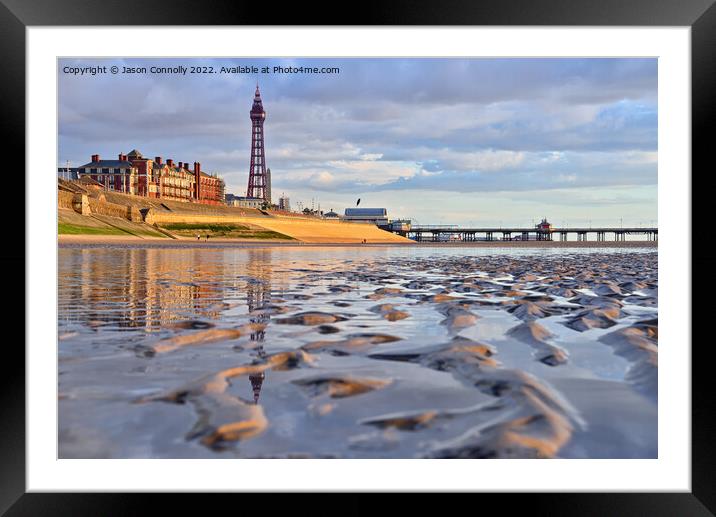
[(72, 241)]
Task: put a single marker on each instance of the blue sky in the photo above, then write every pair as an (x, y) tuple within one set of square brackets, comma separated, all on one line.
[(449, 141)]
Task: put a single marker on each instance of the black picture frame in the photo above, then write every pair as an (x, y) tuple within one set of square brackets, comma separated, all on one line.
[(700, 15)]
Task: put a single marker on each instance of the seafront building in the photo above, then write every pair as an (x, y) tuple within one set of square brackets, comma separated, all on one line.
[(376, 216), (243, 201), (284, 203), (137, 175)]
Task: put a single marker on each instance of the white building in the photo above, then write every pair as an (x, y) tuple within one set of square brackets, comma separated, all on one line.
[(244, 202), (284, 203), (377, 216)]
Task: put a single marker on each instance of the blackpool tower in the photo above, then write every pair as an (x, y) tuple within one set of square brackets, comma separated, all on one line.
[(259, 180)]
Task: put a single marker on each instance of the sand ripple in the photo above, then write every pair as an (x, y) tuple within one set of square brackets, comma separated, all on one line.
[(444, 356), (310, 318), (223, 417), (538, 338), (638, 344)]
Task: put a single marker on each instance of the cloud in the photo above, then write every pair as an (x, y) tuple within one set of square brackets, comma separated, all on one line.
[(540, 172), (382, 125)]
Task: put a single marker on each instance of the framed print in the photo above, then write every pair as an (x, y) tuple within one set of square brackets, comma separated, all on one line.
[(419, 253)]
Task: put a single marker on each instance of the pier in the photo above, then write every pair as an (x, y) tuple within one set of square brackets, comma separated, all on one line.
[(441, 233)]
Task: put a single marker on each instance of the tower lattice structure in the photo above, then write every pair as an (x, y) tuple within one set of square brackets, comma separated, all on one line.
[(259, 181), (258, 292)]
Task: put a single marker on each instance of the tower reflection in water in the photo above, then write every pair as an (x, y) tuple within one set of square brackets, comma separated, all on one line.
[(258, 292)]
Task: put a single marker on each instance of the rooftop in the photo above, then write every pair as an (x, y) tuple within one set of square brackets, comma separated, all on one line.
[(106, 163), (366, 212)]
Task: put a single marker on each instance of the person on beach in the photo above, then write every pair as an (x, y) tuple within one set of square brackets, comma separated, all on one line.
[(198, 237)]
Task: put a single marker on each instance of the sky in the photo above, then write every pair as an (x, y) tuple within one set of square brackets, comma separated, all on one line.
[(441, 141)]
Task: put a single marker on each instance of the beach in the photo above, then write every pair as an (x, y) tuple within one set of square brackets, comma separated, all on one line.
[(128, 240), (179, 349)]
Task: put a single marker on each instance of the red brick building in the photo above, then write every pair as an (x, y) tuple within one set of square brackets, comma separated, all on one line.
[(139, 176), (176, 182), (208, 189)]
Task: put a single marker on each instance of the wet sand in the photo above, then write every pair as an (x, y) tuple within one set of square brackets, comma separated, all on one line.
[(180, 242), (358, 352), (120, 240)]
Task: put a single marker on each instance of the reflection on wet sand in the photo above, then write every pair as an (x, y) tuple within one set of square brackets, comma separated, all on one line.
[(151, 288), (369, 353), (257, 294)]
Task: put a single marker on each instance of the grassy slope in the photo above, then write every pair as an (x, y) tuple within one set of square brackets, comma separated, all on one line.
[(231, 231), (71, 223), (73, 229)]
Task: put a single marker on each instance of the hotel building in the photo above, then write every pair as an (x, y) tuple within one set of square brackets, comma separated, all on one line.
[(139, 176)]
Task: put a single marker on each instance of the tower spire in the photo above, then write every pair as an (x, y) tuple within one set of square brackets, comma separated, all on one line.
[(256, 382)]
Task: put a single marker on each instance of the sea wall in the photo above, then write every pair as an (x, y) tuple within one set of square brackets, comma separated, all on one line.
[(80, 204), (321, 231), (302, 229), (102, 207), (85, 204), (305, 229), (64, 199)]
